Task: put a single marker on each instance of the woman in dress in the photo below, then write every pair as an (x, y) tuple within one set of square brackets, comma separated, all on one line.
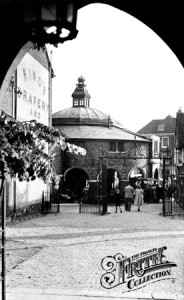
[(139, 197)]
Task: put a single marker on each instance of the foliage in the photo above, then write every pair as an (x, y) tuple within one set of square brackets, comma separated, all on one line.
[(26, 147)]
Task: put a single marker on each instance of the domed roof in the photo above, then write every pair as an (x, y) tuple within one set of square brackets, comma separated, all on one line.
[(83, 122), (81, 112), (82, 115)]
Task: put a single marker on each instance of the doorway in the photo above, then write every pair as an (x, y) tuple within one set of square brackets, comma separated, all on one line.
[(76, 179)]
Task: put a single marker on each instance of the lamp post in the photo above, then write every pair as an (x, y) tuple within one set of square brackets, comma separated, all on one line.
[(3, 170)]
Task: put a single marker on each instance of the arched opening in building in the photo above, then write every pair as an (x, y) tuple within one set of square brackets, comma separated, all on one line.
[(156, 174), (135, 175), (113, 180), (76, 179)]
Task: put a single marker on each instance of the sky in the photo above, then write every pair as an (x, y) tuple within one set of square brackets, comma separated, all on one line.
[(130, 73)]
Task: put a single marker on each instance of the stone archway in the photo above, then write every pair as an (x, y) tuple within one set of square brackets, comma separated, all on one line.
[(135, 175), (75, 180)]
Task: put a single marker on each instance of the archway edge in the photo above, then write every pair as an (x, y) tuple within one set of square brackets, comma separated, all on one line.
[(114, 169), (165, 18), (134, 168), (72, 168), (13, 68)]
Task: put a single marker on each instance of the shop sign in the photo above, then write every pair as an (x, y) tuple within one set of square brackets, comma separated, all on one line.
[(33, 98)]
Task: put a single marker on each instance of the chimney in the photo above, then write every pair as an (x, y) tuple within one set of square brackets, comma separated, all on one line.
[(180, 110)]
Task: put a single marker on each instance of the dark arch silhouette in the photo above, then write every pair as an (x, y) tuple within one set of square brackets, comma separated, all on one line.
[(156, 174), (157, 15), (75, 181)]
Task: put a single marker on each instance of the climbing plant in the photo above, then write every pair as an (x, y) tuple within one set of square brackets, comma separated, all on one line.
[(27, 148)]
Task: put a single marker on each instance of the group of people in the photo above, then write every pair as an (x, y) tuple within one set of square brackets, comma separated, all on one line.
[(153, 193), (130, 195), (139, 196)]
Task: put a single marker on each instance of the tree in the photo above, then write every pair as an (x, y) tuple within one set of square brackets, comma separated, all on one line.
[(27, 149)]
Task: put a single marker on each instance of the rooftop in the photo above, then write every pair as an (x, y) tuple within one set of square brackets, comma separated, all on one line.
[(159, 126)]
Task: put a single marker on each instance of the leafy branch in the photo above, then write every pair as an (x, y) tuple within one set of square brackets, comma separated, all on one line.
[(27, 149)]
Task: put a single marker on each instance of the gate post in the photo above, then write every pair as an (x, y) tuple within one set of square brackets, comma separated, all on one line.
[(104, 188), (164, 186)]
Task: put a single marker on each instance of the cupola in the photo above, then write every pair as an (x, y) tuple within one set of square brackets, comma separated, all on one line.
[(81, 97)]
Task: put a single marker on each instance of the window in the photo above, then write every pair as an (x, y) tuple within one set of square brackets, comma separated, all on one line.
[(75, 103), (161, 127), (117, 146), (81, 102), (113, 146), (156, 147), (165, 142), (120, 146)]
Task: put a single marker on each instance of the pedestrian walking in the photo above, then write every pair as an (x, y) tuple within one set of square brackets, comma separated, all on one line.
[(129, 194), (138, 197), (117, 200)]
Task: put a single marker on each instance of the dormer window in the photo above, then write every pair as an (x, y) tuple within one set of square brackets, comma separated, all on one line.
[(161, 127)]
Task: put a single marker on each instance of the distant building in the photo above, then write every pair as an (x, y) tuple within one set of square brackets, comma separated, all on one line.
[(165, 130), (126, 155)]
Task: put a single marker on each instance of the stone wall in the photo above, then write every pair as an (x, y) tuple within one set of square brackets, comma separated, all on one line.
[(92, 162), (118, 161)]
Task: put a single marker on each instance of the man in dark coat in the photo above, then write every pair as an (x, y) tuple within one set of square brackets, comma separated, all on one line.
[(129, 194)]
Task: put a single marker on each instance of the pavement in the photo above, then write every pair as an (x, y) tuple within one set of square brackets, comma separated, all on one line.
[(60, 256)]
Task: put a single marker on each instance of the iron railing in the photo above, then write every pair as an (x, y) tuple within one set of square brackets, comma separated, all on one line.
[(50, 202), (90, 208)]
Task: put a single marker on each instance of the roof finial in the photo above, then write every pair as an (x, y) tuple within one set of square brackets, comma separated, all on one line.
[(81, 79)]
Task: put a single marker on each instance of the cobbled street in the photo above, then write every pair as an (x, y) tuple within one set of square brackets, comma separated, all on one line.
[(61, 254)]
